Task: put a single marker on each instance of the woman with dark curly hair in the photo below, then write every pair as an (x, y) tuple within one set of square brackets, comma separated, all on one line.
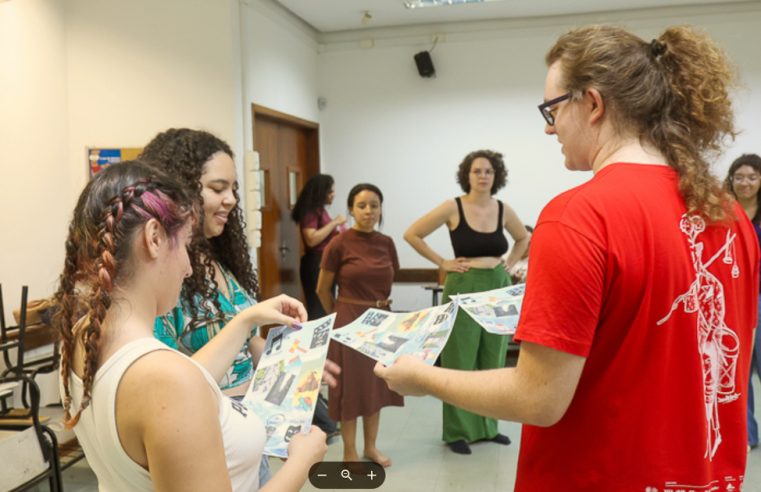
[(223, 283), (317, 229), (221, 291), (744, 182), (476, 223), (636, 327)]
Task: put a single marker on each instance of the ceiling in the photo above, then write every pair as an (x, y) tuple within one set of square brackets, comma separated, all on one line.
[(327, 16)]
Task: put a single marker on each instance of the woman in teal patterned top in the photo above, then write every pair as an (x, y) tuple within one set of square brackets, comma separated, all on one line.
[(177, 330), (223, 283)]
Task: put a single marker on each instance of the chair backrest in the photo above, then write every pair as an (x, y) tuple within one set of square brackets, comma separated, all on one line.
[(12, 337), (28, 449)]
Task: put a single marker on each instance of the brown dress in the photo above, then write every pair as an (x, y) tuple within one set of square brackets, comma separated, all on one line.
[(364, 265)]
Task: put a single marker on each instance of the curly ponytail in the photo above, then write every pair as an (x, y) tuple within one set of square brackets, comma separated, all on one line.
[(671, 92)]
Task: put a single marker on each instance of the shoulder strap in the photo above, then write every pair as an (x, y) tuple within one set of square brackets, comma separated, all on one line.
[(500, 223), (459, 208)]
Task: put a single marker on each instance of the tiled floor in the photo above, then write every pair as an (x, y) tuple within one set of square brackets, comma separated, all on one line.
[(410, 436)]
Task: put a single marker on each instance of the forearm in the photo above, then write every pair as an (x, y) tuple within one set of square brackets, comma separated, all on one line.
[(493, 393), (319, 235), (326, 299), (256, 348), (538, 391), (419, 245), (218, 354), (519, 249)]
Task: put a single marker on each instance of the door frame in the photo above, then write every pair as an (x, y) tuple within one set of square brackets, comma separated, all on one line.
[(312, 132)]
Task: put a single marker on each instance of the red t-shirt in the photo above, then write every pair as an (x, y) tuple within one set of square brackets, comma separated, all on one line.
[(663, 308)]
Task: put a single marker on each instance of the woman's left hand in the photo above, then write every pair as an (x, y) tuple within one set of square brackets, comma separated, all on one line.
[(506, 265), (282, 310)]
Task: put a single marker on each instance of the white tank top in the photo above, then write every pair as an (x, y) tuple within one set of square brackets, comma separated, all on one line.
[(242, 431)]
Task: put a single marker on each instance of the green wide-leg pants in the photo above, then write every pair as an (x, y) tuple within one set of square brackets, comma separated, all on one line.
[(471, 348)]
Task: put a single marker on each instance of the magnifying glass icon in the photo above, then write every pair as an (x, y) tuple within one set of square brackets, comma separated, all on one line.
[(345, 474)]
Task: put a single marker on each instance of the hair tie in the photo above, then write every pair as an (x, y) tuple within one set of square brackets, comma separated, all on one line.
[(657, 48)]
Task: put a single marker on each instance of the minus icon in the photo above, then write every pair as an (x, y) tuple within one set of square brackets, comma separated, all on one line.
[(322, 474)]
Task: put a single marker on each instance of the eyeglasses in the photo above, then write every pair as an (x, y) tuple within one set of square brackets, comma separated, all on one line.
[(752, 178), (545, 108), (482, 172)]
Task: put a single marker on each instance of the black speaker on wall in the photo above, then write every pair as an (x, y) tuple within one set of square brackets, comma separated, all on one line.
[(425, 64)]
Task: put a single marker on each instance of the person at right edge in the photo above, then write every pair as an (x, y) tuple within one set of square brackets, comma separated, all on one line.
[(744, 182), (637, 324), (477, 223)]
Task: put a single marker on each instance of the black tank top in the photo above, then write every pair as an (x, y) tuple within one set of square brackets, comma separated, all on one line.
[(473, 244)]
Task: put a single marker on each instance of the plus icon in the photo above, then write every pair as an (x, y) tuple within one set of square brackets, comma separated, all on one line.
[(372, 474)]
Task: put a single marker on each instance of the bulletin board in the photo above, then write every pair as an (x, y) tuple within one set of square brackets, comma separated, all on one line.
[(98, 158)]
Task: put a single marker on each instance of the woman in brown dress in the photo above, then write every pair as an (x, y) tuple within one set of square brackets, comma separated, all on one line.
[(363, 262)]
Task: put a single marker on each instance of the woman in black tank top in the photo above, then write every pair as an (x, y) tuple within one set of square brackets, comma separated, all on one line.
[(477, 223)]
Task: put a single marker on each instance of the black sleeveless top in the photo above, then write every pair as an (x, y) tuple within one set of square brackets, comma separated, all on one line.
[(473, 244)]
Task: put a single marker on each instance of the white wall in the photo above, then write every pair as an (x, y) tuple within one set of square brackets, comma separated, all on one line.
[(139, 67), (77, 73), (279, 59), (385, 124), (33, 140)]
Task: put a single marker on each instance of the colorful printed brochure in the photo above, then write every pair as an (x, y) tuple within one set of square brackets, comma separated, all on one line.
[(283, 392), (497, 311), (384, 336)]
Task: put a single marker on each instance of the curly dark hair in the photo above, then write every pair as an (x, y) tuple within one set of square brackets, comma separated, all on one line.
[(497, 163), (753, 161), (313, 196), (182, 153)]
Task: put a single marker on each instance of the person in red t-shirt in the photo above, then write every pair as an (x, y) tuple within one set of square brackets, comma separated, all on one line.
[(640, 304)]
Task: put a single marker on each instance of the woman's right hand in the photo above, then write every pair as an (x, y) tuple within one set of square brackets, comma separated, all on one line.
[(308, 448), (282, 310), (459, 265), (339, 220)]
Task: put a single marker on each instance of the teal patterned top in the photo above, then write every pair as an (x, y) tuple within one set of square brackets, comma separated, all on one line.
[(176, 330)]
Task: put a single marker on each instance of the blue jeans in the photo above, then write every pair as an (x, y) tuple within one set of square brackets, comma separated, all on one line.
[(755, 363), (264, 471)]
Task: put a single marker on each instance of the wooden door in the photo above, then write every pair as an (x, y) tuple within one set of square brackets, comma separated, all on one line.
[(288, 155)]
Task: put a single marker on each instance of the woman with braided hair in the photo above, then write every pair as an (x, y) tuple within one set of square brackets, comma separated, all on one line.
[(126, 258), (637, 323)]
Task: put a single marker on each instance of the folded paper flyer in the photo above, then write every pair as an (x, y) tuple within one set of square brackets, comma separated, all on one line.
[(283, 392), (384, 336), (497, 311)]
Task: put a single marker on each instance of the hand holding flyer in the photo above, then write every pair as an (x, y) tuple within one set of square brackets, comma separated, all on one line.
[(283, 392)]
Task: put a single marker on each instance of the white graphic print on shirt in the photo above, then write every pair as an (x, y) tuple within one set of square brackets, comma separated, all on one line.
[(718, 344)]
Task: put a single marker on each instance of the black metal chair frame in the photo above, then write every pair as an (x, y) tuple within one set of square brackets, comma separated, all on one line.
[(46, 437), (20, 365)]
